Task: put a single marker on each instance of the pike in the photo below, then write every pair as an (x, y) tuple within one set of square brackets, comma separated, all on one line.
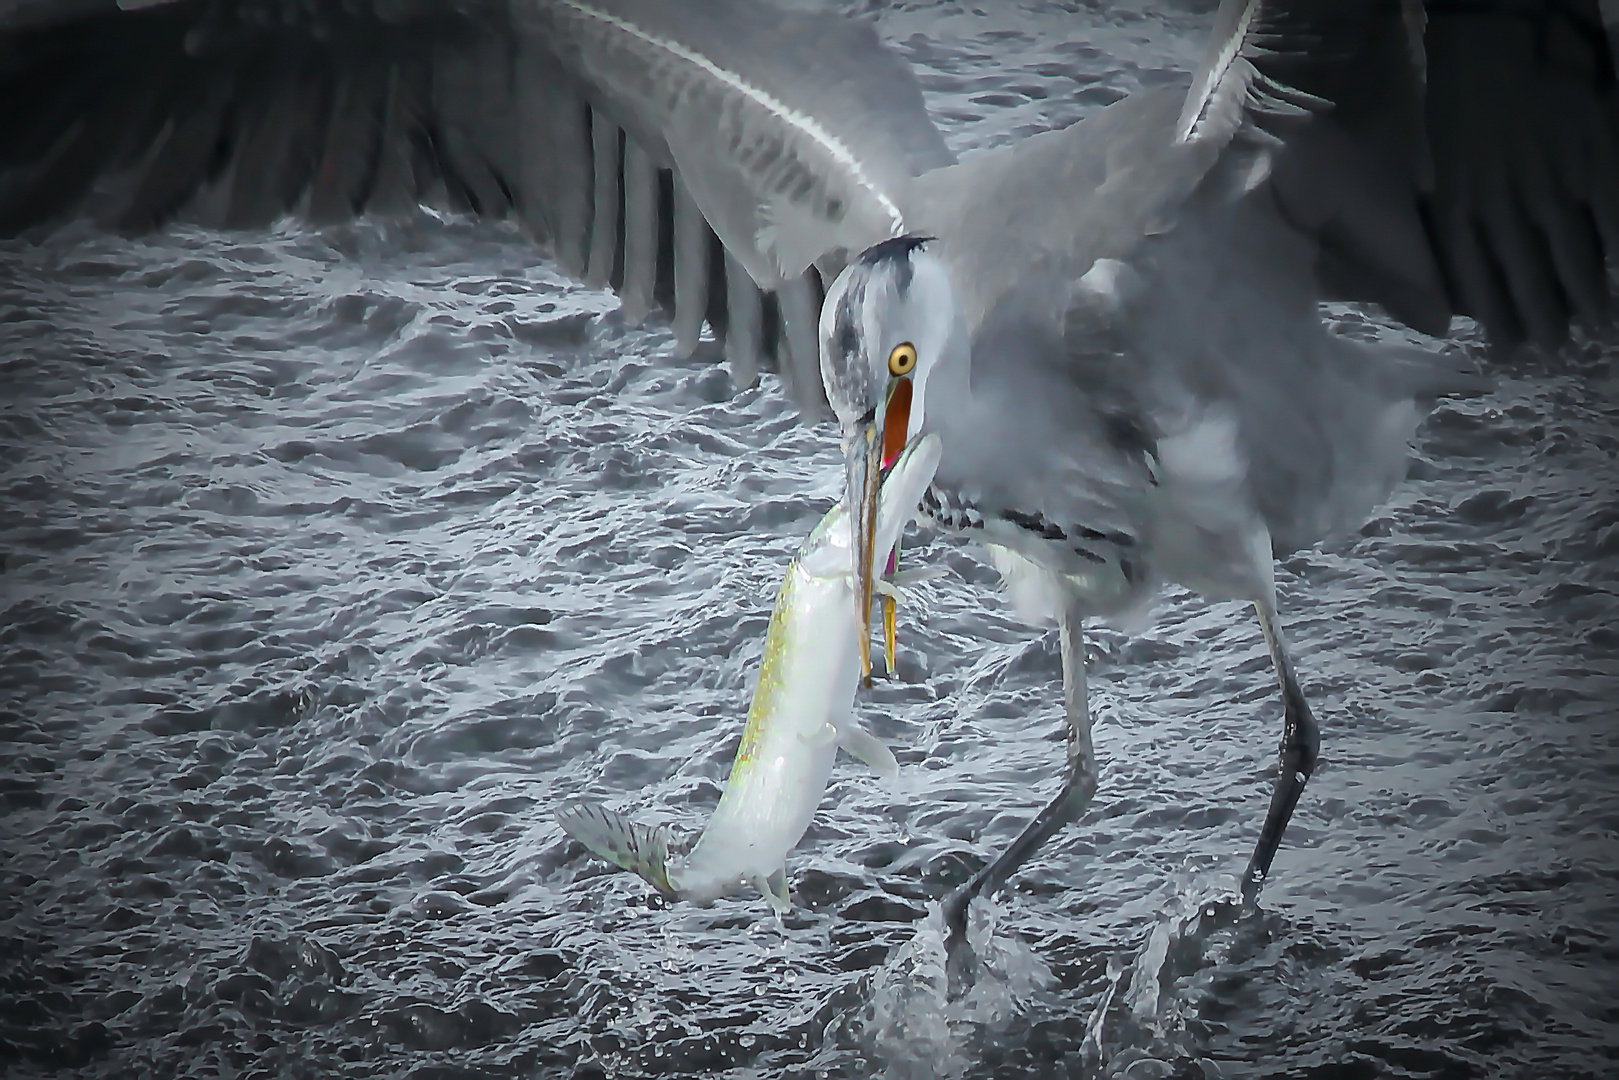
[(801, 713)]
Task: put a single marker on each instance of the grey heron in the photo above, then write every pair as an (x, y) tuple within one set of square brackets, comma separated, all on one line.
[(1114, 326)]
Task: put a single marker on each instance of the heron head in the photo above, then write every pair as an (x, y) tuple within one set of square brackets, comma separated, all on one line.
[(888, 320)]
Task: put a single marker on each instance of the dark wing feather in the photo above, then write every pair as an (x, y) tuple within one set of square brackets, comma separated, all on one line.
[(575, 116), (1523, 122), (1461, 158)]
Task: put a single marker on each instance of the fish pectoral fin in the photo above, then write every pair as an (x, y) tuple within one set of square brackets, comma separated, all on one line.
[(905, 579), (865, 746), (886, 587), (895, 585), (820, 736), (774, 889), (640, 849)]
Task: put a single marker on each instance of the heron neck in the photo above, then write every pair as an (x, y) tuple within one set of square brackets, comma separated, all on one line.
[(949, 395)]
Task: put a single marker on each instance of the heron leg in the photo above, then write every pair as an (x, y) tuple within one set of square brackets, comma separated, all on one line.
[(1301, 746), (1077, 790)]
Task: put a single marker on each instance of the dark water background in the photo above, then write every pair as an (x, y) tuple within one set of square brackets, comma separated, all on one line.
[(331, 562)]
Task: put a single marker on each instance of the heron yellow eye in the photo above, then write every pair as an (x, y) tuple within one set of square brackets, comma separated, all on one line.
[(902, 359)]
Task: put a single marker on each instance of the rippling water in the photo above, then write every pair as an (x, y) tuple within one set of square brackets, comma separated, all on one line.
[(334, 561)]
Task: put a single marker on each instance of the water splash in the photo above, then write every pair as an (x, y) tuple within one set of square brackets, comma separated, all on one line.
[(1090, 1051), (1139, 1027), (914, 1027), (908, 1018), (1144, 1009)]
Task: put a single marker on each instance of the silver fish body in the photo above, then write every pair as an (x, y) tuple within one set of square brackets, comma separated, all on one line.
[(801, 714)]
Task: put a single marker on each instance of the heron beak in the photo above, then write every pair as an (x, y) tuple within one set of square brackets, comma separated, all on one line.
[(869, 449), (862, 454), (896, 430)]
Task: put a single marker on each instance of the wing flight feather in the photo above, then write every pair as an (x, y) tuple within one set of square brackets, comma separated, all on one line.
[(696, 157), (1448, 158)]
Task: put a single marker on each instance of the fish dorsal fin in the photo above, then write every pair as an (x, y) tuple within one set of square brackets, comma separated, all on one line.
[(865, 746)]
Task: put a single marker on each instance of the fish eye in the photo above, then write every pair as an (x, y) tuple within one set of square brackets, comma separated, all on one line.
[(902, 359)]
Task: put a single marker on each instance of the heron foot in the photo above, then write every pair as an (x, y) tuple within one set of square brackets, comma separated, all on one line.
[(1216, 915), (1190, 941), (954, 913), (1253, 879), (961, 963)]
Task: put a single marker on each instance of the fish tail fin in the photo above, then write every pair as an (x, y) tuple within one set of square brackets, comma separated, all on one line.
[(640, 849)]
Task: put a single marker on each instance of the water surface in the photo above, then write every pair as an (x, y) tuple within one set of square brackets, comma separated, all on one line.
[(333, 562)]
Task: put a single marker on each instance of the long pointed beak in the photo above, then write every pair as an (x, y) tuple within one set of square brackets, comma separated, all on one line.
[(863, 458)]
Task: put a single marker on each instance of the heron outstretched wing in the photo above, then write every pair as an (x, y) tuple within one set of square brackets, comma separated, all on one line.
[(1437, 160), (1447, 158), (713, 157)]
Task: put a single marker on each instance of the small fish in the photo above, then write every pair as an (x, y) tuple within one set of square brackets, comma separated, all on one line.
[(801, 713)]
